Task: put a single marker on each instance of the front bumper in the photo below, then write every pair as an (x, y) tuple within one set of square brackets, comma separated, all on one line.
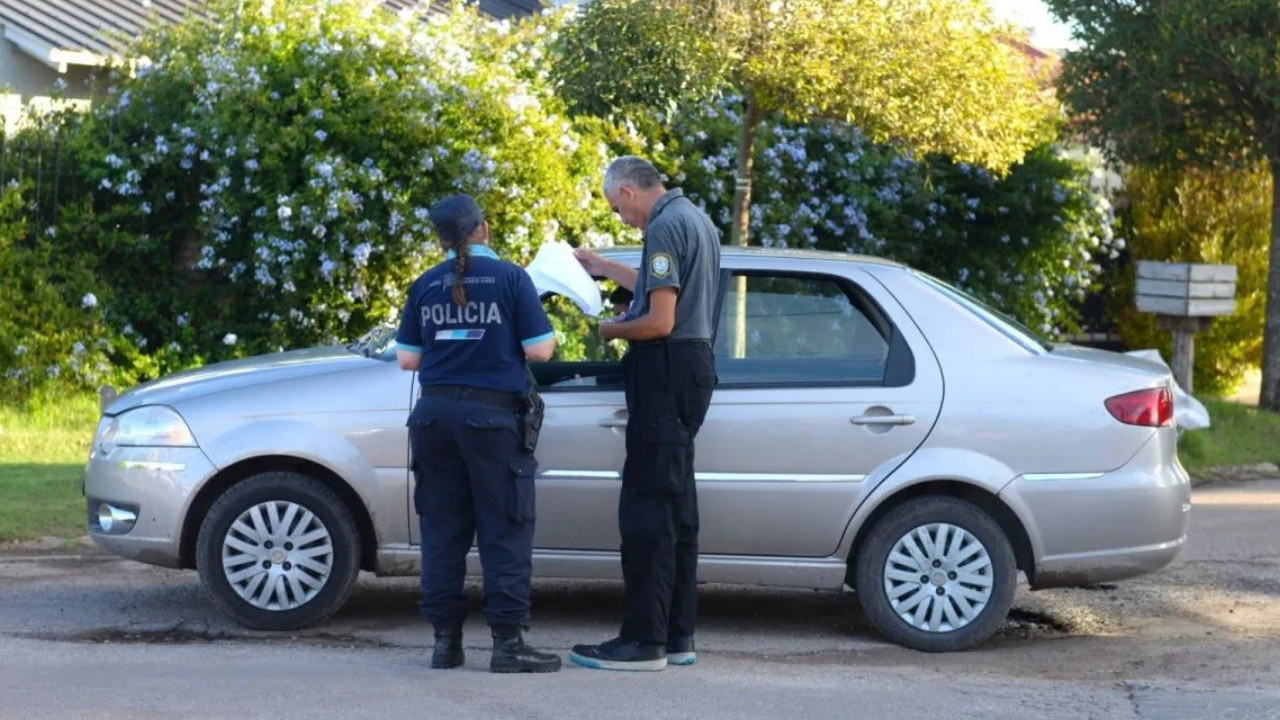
[(1111, 526), (158, 484)]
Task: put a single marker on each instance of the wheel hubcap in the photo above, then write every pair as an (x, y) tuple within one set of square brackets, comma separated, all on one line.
[(277, 555), (938, 578)]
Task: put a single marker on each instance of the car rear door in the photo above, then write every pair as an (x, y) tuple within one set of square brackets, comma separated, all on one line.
[(824, 381)]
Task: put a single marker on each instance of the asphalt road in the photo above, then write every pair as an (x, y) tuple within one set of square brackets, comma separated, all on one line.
[(83, 635)]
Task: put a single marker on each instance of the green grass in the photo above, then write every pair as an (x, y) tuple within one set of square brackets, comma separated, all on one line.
[(44, 446), (1237, 435), (43, 450)]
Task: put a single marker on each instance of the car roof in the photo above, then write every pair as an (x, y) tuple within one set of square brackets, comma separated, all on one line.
[(754, 251)]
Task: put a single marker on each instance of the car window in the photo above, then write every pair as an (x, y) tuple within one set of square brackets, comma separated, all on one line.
[(798, 330), (1011, 328), (582, 358)]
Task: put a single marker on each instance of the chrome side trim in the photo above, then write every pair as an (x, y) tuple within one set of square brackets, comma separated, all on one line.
[(824, 573), (142, 465), (1053, 477), (711, 476)]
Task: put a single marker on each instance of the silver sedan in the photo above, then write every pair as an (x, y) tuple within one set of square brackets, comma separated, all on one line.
[(874, 429)]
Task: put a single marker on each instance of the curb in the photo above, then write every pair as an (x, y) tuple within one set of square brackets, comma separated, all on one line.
[(1235, 473)]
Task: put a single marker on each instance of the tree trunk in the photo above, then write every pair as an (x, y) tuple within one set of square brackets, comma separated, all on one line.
[(741, 232), (1270, 395)]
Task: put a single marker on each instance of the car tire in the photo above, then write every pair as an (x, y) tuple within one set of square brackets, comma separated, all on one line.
[(976, 561), (251, 566)]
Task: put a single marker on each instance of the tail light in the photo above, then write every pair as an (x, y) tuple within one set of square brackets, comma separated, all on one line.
[(1148, 408)]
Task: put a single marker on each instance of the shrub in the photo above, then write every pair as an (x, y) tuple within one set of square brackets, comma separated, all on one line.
[(52, 334), (269, 188), (1028, 243), (1209, 216)]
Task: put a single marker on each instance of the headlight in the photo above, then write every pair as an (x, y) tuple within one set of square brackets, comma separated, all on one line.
[(150, 426)]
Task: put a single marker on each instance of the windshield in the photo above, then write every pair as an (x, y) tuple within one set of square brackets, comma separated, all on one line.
[(377, 342), (1015, 330)]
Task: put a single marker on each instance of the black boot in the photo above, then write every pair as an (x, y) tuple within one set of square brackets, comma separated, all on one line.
[(448, 652), (512, 655)]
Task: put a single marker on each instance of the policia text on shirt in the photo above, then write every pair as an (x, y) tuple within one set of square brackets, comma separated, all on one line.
[(669, 374), (467, 328)]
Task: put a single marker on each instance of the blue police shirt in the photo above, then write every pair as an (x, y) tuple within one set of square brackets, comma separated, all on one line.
[(482, 343)]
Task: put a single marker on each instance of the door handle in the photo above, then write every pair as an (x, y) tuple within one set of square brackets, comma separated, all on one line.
[(883, 420), (616, 420)]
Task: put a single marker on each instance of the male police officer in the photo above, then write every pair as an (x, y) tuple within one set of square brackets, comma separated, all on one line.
[(467, 328), (669, 374)]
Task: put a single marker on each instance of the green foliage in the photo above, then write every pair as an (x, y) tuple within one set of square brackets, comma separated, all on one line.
[(52, 333), (1199, 81), (932, 74), (1221, 215), (269, 188), (1029, 242)]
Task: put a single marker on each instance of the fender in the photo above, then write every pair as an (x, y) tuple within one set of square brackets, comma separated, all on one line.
[(929, 464)]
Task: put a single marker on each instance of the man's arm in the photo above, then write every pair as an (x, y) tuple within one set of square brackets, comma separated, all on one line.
[(653, 325), (620, 273)]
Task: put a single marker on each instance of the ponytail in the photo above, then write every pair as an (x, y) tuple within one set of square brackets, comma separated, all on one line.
[(460, 267)]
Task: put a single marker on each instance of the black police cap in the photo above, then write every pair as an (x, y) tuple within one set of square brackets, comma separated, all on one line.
[(456, 217)]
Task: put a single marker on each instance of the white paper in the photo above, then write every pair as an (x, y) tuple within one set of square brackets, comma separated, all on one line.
[(555, 269)]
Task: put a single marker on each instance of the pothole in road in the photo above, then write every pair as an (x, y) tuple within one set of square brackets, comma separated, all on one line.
[(191, 636), (1029, 623)]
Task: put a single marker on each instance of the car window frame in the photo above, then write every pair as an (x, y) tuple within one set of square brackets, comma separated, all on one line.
[(900, 367)]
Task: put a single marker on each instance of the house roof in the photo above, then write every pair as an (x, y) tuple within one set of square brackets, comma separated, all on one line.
[(87, 32)]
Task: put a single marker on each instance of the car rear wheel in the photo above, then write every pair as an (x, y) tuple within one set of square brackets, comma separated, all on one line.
[(279, 551), (936, 574)]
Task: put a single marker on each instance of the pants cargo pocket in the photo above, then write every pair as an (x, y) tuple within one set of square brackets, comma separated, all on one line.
[(524, 502), (659, 465)]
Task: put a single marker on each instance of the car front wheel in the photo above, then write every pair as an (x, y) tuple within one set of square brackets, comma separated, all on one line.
[(936, 574), (279, 551)]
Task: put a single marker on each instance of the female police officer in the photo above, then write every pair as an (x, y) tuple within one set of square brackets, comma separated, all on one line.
[(467, 328)]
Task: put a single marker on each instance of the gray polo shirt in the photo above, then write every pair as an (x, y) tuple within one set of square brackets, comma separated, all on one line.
[(681, 250)]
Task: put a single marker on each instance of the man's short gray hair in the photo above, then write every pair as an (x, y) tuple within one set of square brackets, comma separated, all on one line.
[(631, 170)]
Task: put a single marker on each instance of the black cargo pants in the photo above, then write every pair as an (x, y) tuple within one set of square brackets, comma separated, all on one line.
[(474, 480), (668, 389)]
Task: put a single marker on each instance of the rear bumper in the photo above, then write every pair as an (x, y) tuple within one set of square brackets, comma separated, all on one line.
[(1091, 528)]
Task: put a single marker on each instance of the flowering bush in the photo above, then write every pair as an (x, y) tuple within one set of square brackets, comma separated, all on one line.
[(264, 184), (1028, 243), (270, 188), (52, 334)]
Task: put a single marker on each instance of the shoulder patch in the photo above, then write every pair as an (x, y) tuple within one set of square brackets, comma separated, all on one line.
[(660, 265)]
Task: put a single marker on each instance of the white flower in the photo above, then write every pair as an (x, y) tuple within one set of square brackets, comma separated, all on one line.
[(361, 252), (89, 301), (285, 212), (321, 135), (146, 208), (20, 350), (229, 339), (182, 320)]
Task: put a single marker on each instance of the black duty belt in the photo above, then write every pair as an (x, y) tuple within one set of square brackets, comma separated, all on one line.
[(509, 400)]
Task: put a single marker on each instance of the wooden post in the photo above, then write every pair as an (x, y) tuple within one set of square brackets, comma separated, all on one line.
[(1184, 330), (1185, 298)]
